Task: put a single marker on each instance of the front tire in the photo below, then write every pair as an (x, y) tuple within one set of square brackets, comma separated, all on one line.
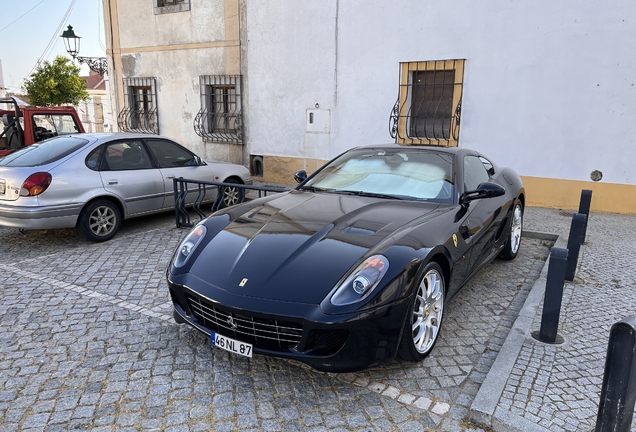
[(426, 310), (99, 221), (511, 248), (232, 195)]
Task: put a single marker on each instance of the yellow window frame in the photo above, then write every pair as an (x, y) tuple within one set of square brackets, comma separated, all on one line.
[(402, 117)]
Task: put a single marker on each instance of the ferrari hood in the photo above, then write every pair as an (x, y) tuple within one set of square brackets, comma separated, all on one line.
[(297, 246)]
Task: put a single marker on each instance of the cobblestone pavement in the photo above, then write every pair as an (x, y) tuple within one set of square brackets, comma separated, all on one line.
[(557, 387), (88, 342)]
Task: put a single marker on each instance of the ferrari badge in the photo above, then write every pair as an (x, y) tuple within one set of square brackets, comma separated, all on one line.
[(454, 242), (244, 281)]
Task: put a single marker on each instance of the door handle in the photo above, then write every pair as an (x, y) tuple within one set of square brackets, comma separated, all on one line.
[(113, 182), (170, 178)]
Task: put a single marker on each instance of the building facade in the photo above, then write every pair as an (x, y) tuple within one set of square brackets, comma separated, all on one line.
[(546, 88), (175, 70), (96, 113)]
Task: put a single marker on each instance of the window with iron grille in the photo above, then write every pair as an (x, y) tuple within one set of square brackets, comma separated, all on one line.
[(170, 6), (428, 107), (220, 118), (140, 111)]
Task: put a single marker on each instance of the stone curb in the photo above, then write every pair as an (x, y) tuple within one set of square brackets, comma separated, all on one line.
[(484, 409)]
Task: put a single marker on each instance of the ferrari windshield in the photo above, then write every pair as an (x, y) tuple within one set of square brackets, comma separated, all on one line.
[(408, 173)]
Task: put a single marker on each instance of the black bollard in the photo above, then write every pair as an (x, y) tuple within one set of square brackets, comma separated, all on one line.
[(618, 394), (574, 244), (584, 208), (553, 297)]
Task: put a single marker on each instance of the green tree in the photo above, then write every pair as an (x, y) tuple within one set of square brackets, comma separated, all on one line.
[(56, 83)]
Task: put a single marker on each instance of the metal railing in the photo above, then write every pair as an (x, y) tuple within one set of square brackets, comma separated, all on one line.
[(221, 117), (140, 121), (201, 189)]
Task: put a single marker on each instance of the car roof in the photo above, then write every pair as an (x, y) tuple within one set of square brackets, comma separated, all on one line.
[(107, 136), (437, 148)]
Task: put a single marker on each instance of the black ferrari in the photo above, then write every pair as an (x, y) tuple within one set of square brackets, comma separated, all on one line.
[(356, 264)]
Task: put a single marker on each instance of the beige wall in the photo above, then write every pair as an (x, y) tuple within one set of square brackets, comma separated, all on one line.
[(279, 169), (565, 194), (175, 49)]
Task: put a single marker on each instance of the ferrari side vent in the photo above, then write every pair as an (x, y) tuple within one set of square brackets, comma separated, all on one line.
[(261, 332)]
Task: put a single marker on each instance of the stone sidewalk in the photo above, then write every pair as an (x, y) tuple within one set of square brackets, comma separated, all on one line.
[(534, 386), (87, 342)]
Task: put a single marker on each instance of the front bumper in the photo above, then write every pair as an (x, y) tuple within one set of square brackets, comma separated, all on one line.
[(333, 343)]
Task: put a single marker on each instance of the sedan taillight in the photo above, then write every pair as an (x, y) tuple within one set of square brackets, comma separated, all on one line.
[(35, 184)]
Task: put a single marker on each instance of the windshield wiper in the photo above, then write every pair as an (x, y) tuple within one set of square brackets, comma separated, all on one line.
[(315, 189), (372, 194)]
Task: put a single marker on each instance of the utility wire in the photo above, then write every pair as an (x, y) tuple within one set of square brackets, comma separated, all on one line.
[(100, 19), (15, 20), (48, 48)]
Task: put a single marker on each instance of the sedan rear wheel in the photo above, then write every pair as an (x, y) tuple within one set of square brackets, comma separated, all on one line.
[(511, 248), (99, 221), (421, 328), (232, 195)]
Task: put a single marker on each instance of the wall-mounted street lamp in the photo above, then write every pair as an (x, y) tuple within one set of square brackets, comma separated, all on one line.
[(72, 43)]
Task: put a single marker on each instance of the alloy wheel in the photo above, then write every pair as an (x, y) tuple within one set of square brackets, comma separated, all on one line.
[(230, 196), (427, 311), (515, 229), (102, 221)]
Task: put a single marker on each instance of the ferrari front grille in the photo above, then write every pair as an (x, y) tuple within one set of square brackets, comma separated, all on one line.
[(260, 332)]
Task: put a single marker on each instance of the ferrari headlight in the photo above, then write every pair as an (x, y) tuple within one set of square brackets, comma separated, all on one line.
[(362, 281), (189, 244)]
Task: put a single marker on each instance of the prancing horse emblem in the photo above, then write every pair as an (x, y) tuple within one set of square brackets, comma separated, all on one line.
[(454, 242), (244, 281), (231, 322)]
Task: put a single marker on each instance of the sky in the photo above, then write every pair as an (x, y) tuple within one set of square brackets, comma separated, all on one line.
[(28, 26)]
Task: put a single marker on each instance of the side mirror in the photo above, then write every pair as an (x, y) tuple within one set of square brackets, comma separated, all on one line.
[(300, 176), (484, 190)]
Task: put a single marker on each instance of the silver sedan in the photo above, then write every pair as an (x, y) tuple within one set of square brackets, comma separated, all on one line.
[(93, 181)]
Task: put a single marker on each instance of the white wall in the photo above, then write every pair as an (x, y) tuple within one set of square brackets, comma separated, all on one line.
[(549, 87), (290, 68)]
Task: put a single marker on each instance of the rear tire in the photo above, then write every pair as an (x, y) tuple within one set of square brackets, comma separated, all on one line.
[(232, 195), (511, 248), (425, 313), (99, 221)]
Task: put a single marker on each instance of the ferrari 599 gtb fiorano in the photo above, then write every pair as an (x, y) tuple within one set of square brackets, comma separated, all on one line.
[(356, 264)]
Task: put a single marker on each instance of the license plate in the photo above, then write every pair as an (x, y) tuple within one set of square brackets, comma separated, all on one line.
[(231, 345)]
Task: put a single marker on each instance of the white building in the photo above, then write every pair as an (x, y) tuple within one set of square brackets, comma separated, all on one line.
[(546, 88), (96, 113), (176, 71)]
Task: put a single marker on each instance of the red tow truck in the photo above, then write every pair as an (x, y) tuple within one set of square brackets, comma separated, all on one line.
[(21, 126)]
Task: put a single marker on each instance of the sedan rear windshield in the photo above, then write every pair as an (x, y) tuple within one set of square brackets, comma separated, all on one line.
[(44, 152)]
